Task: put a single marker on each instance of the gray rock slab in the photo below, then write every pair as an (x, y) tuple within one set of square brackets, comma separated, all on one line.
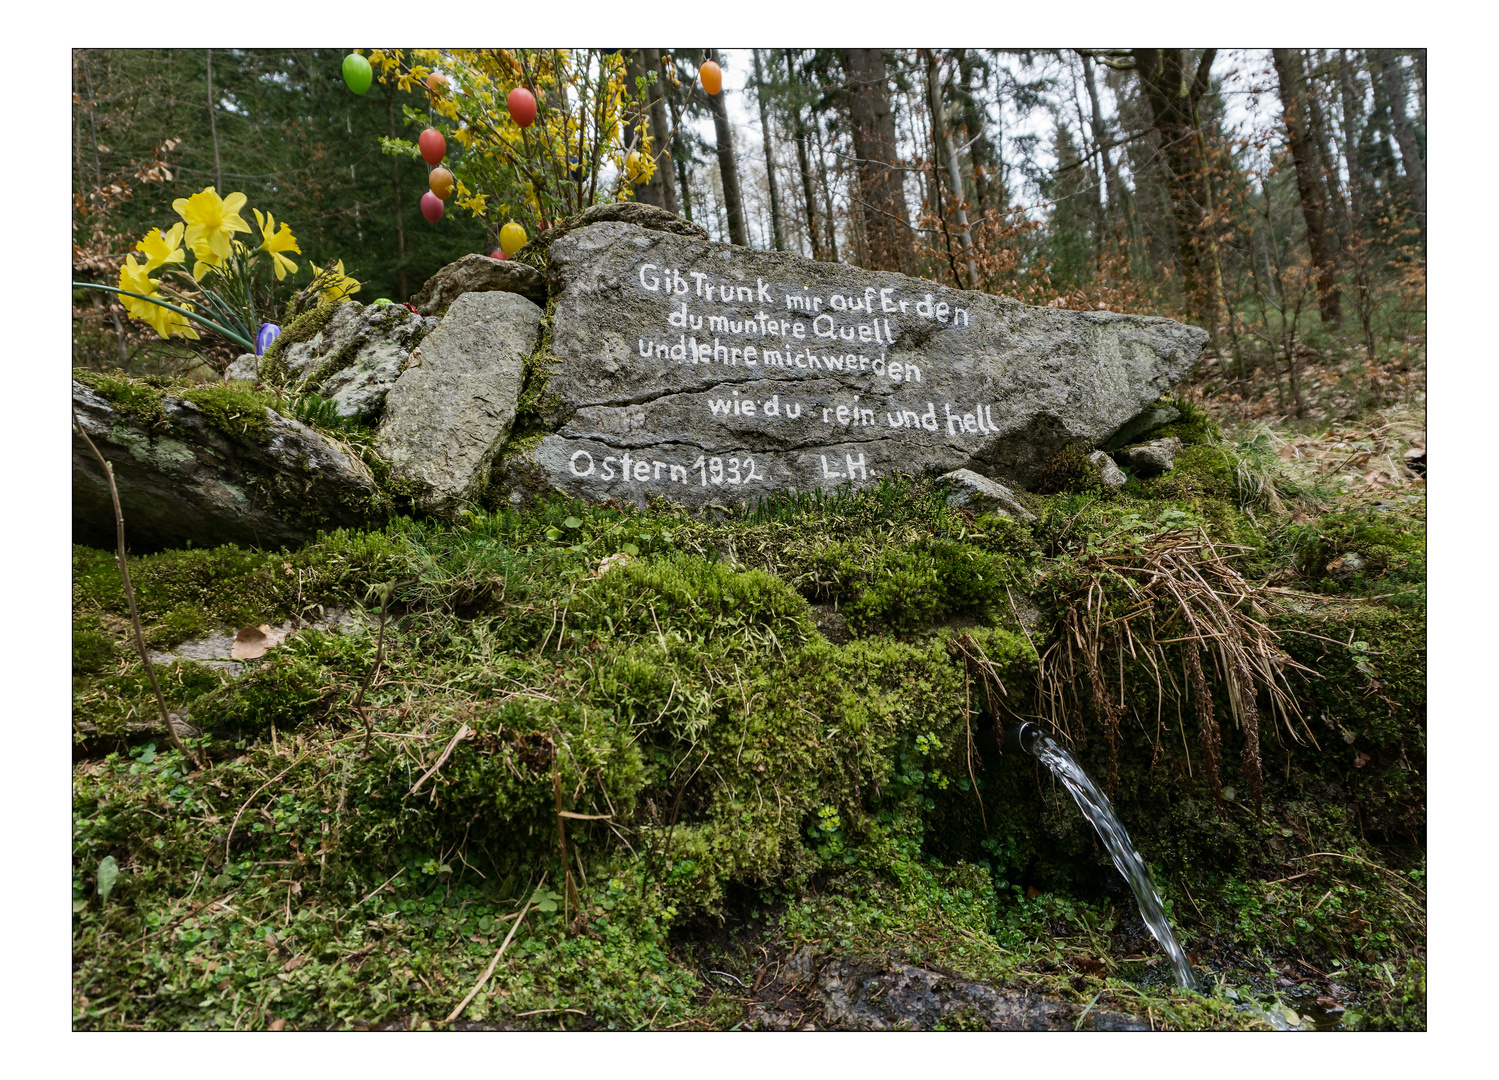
[(1152, 458), (480, 273), (192, 482), (358, 355), (968, 490), (709, 373), (1113, 475), (446, 418)]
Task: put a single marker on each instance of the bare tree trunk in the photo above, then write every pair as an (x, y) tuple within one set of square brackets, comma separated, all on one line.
[(213, 127), (770, 163), (1319, 238), (728, 166), (809, 196), (887, 223), (402, 285), (1410, 153), (827, 199), (649, 191), (980, 153), (942, 142), (678, 148), (661, 145)]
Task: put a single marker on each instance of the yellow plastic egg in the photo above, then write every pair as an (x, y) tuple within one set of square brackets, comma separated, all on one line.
[(512, 238)]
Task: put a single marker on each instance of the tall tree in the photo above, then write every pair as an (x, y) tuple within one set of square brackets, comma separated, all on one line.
[(887, 224), (770, 162), (657, 190), (1393, 79), (799, 131), (980, 151), (942, 145), (1174, 100), (1115, 196), (1320, 237), (728, 165)]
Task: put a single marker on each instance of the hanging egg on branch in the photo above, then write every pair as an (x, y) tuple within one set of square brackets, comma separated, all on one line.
[(357, 73), (634, 166), (437, 84), (512, 238), (441, 183), (432, 207), (522, 105), (432, 145), (711, 76)]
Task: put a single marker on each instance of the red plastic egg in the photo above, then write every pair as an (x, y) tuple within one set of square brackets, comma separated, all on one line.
[(522, 106), (432, 145), (498, 253), (431, 207)]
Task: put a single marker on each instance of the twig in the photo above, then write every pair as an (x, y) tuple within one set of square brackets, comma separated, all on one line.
[(376, 890), (463, 732), (358, 704), (135, 619), (503, 946)]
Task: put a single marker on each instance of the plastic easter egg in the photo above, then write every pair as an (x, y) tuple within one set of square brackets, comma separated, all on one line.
[(357, 73), (712, 78), (499, 253), (512, 238), (431, 207), (441, 183), (384, 301), (634, 166), (269, 332), (437, 83), (522, 105), (432, 145)]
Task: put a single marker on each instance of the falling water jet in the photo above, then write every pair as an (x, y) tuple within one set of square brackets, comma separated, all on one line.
[(1096, 808)]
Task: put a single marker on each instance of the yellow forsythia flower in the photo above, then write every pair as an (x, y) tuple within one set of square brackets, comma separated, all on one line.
[(337, 285), (274, 241)]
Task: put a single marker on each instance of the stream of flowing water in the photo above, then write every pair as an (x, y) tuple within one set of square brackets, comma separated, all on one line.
[(1096, 808)]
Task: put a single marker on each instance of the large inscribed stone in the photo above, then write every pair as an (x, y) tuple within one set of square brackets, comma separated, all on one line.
[(714, 374)]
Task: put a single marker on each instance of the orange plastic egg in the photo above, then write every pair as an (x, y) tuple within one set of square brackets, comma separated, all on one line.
[(441, 183), (712, 78)]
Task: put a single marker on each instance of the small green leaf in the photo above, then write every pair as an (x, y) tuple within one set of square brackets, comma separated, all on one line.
[(572, 523), (80, 904), (108, 872), (630, 550), (554, 533)]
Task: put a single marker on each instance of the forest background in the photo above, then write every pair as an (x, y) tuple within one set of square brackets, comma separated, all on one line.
[(1275, 197)]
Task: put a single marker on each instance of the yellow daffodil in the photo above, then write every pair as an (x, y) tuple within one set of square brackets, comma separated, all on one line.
[(211, 224), (274, 241), (162, 248), (136, 278), (337, 285)]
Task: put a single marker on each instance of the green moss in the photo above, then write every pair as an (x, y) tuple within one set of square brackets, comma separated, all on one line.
[(142, 401), (1068, 471), (1196, 427), (304, 327), (236, 412)]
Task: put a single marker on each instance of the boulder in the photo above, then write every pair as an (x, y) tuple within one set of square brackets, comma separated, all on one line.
[(446, 417), (479, 273), (190, 476), (1152, 458), (1113, 476), (968, 490), (709, 373), (357, 356)]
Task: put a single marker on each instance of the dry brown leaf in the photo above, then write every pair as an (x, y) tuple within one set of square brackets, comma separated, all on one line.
[(253, 641), (294, 963), (278, 1024)]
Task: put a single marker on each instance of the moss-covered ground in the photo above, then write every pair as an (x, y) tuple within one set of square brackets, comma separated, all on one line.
[(684, 746)]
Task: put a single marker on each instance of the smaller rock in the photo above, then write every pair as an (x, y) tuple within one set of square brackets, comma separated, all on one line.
[(479, 273), (1153, 458), (1346, 566), (1113, 475), (245, 369), (356, 358), (970, 491)]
